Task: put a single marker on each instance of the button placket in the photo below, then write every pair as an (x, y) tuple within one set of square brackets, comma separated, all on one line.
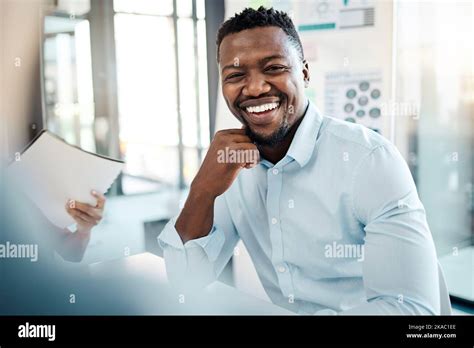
[(275, 180)]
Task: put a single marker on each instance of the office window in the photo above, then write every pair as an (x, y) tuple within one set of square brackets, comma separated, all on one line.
[(146, 7), (162, 91), (435, 78), (67, 80)]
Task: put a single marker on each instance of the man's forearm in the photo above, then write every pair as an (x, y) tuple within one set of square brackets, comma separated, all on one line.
[(212, 180), (196, 218)]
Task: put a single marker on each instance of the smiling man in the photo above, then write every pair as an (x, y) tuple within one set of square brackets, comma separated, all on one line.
[(330, 215)]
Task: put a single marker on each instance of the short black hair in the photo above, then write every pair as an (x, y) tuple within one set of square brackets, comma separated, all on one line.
[(262, 17)]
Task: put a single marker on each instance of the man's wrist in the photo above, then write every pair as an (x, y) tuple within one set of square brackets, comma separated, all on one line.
[(83, 231), (199, 194), (191, 223)]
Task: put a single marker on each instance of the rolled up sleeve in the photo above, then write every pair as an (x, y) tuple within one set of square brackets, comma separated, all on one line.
[(199, 261)]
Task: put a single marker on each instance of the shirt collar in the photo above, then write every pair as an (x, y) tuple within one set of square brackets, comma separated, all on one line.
[(304, 141)]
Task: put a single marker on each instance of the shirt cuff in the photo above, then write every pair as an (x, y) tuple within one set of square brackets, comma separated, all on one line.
[(211, 244)]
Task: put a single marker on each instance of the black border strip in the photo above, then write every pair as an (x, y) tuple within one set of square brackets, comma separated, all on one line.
[(138, 330)]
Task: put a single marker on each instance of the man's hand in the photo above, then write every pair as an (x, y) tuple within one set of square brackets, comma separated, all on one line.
[(229, 152), (86, 215)]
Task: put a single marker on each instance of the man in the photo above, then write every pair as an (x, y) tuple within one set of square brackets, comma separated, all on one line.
[(330, 215)]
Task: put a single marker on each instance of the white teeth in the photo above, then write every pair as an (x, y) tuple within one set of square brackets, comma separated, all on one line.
[(261, 108)]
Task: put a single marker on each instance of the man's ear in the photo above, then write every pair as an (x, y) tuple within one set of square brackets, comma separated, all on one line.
[(306, 73)]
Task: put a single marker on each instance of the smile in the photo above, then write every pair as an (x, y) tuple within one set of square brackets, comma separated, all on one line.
[(261, 108), (262, 111)]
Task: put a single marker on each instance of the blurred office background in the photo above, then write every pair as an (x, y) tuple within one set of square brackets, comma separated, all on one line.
[(138, 80)]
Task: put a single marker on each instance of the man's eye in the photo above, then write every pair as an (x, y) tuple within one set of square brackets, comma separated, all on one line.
[(276, 68), (234, 76)]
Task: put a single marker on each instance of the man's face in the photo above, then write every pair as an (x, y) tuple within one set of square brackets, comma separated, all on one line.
[(263, 80)]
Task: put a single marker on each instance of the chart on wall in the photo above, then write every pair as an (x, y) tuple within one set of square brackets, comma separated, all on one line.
[(334, 14), (355, 97)]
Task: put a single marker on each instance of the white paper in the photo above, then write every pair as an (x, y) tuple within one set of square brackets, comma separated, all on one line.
[(51, 171)]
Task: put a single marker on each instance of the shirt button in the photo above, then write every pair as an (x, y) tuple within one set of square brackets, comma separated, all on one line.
[(282, 269), (274, 221), (275, 171)]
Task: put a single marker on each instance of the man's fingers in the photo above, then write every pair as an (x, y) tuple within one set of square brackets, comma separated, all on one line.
[(245, 146), (79, 216), (86, 213), (253, 157), (80, 219), (100, 199), (244, 154), (95, 213), (231, 131), (250, 165), (241, 138), (233, 136)]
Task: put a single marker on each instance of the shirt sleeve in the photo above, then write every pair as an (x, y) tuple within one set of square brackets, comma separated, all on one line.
[(198, 262), (400, 270)]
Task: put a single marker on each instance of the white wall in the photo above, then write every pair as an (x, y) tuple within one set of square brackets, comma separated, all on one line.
[(20, 93)]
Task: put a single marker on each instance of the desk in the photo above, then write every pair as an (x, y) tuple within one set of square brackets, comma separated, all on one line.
[(142, 279)]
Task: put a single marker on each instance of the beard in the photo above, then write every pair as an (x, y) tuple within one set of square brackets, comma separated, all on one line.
[(273, 139)]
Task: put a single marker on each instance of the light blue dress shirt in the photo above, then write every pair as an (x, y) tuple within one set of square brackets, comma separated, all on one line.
[(336, 226)]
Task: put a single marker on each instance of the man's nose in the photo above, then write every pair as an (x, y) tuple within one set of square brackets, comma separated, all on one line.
[(255, 86)]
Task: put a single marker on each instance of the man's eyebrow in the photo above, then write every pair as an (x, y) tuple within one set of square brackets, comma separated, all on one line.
[(230, 66), (275, 56), (262, 62)]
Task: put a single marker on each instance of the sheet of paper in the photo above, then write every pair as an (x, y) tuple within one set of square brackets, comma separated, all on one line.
[(50, 172)]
